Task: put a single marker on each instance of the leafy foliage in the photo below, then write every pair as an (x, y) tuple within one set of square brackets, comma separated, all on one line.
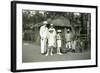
[(80, 23)]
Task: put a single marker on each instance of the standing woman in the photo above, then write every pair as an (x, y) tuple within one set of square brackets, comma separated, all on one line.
[(43, 35), (51, 40)]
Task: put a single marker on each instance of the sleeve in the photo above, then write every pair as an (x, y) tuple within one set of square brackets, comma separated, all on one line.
[(41, 32), (47, 33), (54, 31)]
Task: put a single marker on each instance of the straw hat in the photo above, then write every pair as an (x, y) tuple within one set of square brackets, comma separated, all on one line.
[(45, 22), (58, 30), (51, 24)]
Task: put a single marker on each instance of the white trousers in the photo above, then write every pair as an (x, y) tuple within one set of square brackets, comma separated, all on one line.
[(58, 43), (74, 45), (43, 45), (68, 45)]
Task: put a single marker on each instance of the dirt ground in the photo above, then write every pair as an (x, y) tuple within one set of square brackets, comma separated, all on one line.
[(31, 53)]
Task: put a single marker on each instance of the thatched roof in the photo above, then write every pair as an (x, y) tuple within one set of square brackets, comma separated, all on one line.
[(61, 21)]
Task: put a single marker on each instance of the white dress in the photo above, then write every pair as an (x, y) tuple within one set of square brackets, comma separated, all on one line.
[(52, 38)]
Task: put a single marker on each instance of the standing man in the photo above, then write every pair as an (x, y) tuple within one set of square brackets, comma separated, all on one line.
[(43, 35)]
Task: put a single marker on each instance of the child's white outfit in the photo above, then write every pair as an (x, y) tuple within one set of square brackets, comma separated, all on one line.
[(59, 43), (58, 40)]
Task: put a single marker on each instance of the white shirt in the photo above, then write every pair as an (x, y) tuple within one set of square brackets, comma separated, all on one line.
[(43, 32), (59, 37)]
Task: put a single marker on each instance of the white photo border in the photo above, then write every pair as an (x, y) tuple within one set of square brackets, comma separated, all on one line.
[(42, 65)]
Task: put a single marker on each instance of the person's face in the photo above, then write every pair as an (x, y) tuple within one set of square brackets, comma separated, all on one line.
[(68, 30), (51, 26)]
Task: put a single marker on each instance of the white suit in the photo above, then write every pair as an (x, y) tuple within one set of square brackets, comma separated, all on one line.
[(43, 35)]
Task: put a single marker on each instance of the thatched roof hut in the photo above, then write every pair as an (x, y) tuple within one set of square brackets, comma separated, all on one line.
[(61, 22), (58, 22)]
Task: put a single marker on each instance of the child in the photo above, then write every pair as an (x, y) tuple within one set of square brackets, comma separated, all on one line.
[(59, 42), (43, 35), (68, 37)]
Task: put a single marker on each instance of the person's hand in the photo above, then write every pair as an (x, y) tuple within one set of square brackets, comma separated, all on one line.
[(41, 38)]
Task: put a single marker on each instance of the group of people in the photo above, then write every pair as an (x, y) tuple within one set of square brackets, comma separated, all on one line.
[(52, 39)]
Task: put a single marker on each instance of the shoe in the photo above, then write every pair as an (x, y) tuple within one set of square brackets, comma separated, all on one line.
[(43, 53), (51, 54), (46, 54), (73, 51), (59, 53)]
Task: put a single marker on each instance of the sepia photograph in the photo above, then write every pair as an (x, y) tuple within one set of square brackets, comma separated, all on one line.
[(55, 36), (48, 36)]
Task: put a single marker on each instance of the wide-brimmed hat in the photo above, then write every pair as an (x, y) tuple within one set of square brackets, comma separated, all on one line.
[(45, 22), (58, 30), (68, 29), (51, 24)]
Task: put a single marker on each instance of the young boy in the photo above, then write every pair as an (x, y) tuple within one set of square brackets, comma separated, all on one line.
[(59, 39), (68, 37)]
